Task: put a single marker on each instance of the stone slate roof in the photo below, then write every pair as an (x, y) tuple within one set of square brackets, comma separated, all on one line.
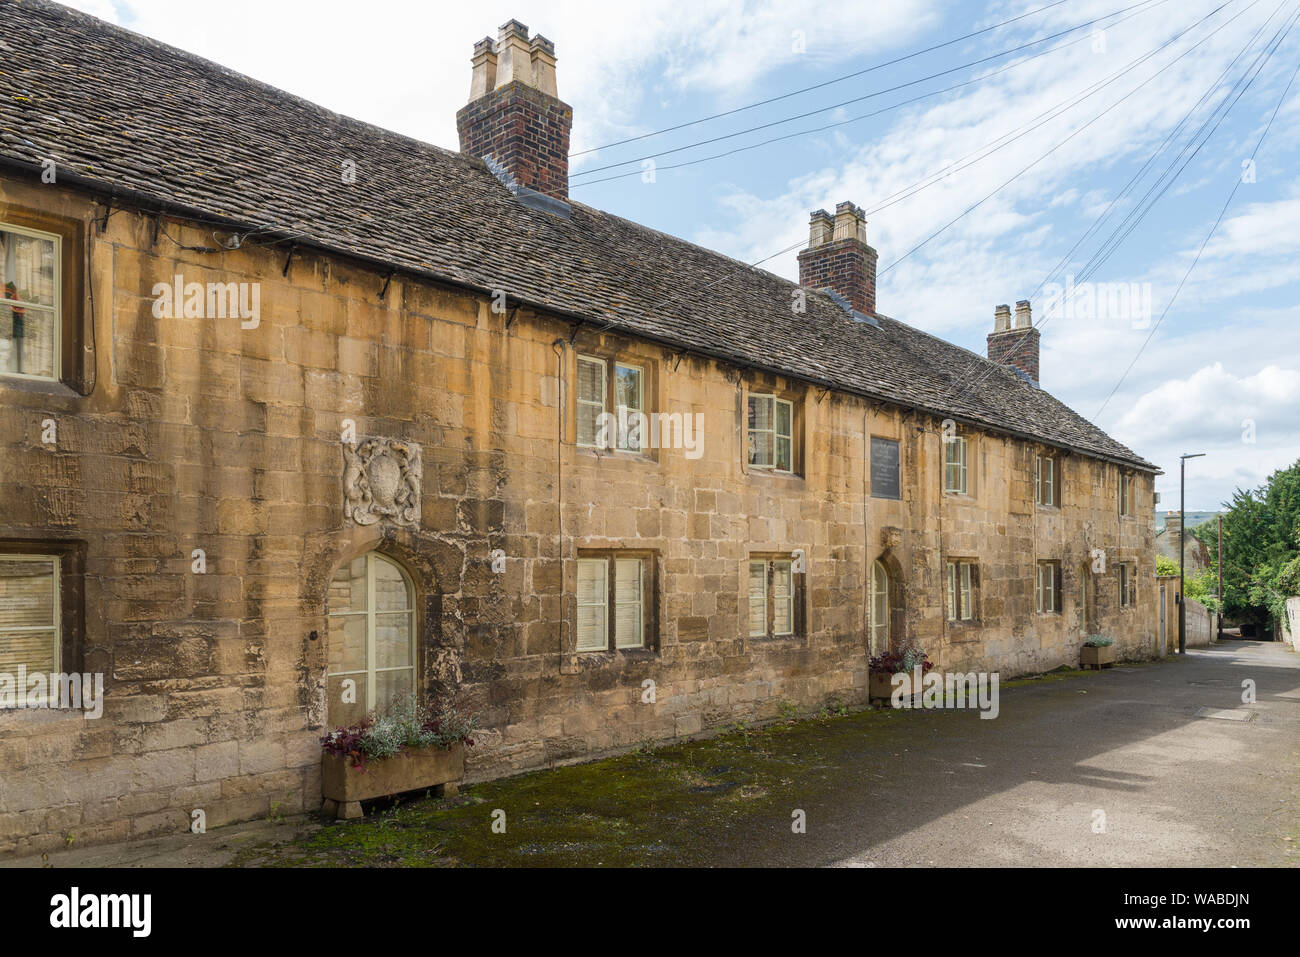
[(121, 111)]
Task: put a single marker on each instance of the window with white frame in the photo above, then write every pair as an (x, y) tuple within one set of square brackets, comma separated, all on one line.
[(771, 433), (1126, 505), (622, 397), (955, 472), (1049, 588), (371, 630), (962, 583), (30, 633), (879, 608), (772, 599), (612, 605), (1045, 480), (1127, 585), (591, 399), (30, 287)]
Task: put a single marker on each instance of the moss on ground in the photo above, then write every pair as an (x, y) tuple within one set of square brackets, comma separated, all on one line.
[(679, 804)]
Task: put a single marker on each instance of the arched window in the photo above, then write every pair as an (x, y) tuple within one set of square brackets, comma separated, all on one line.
[(879, 609), (371, 638)]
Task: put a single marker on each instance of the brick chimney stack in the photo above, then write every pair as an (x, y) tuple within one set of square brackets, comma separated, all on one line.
[(514, 116), (1015, 345), (839, 258)]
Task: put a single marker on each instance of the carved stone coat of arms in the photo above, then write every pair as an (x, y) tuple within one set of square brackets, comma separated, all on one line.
[(381, 481)]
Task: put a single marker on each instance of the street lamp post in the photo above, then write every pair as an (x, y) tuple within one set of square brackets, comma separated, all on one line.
[(1182, 549)]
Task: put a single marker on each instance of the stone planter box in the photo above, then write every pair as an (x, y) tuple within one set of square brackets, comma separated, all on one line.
[(1094, 656), (415, 769), (880, 685)]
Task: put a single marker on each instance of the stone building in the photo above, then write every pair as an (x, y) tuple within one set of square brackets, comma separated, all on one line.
[(302, 401)]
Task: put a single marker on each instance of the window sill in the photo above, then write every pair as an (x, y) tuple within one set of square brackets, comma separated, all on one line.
[(773, 474), (966, 498), (640, 458), (38, 386)]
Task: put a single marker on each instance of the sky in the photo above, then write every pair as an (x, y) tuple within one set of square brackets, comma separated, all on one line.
[(1078, 157)]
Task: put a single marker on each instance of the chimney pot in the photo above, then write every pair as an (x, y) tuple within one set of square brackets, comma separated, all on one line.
[(514, 116), (839, 258), (483, 75), (1015, 346), (820, 228)]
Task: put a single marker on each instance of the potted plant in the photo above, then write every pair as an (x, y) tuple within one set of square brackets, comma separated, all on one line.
[(408, 747), (1098, 650), (885, 665)]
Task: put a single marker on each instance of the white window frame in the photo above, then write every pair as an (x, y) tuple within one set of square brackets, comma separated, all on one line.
[(639, 575), (58, 302), (613, 570), (1126, 495), (600, 406), (640, 406), (776, 434), (371, 615), (783, 568), (961, 464), (761, 630), (1045, 480), (880, 611), (961, 591), (1127, 585), (601, 641), (1049, 588), (56, 627)]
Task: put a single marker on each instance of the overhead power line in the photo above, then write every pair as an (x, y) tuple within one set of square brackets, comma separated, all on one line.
[(1143, 208), (858, 99), (816, 86), (863, 116)]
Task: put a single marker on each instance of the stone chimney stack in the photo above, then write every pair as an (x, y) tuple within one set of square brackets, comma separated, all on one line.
[(838, 257), (514, 117), (1173, 523), (1015, 345)]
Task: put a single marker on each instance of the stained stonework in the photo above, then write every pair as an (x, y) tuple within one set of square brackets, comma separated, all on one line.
[(381, 482), (201, 434)]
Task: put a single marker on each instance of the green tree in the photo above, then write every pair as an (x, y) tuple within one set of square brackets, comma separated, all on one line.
[(1261, 544)]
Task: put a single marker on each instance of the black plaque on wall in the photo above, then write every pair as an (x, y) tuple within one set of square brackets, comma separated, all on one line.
[(885, 470)]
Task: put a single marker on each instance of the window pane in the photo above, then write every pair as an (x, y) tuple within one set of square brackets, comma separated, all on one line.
[(27, 593), (784, 455), (952, 591), (760, 449), (760, 412), (27, 268), (758, 598), (592, 604), (27, 341), (343, 714), (391, 592), (628, 631), (591, 380), (393, 640), (784, 416), (782, 599), (348, 589), (588, 423), (392, 685), (627, 388), (346, 635)]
